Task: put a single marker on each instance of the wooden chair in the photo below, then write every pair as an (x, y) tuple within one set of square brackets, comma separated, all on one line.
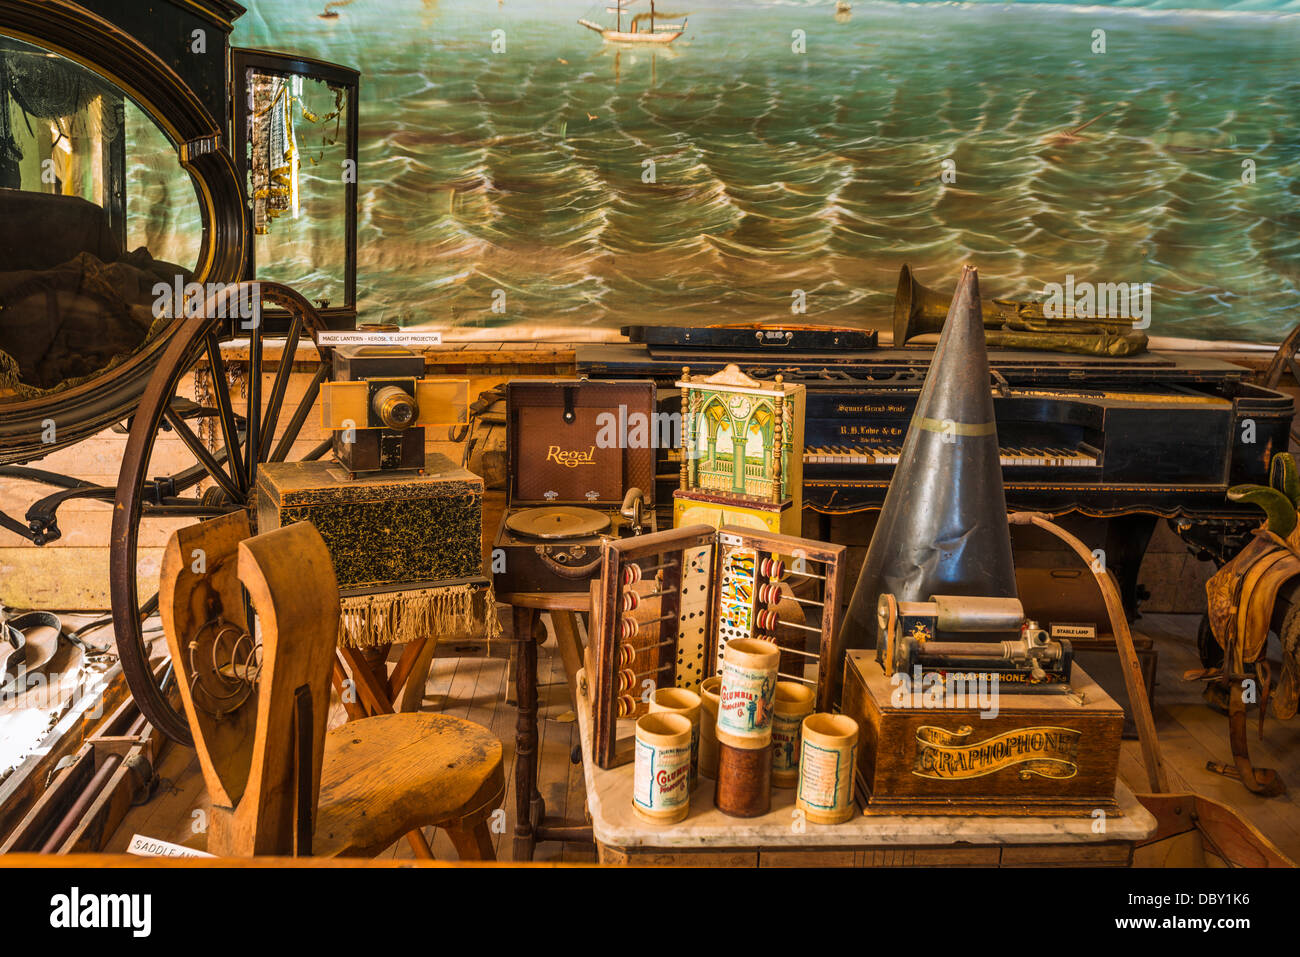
[(257, 706)]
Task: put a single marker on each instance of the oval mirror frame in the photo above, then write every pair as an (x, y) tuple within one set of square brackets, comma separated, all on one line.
[(72, 31)]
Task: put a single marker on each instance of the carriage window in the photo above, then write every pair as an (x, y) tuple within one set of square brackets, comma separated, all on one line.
[(96, 213)]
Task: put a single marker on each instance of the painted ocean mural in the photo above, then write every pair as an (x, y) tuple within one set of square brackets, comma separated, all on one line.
[(796, 153)]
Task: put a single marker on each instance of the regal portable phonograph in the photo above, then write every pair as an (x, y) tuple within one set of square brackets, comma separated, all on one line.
[(581, 471), (937, 597)]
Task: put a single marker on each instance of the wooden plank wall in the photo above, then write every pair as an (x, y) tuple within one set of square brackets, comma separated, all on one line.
[(71, 574), (55, 578)]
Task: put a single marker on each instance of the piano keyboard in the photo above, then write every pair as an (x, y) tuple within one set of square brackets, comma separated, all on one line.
[(888, 455)]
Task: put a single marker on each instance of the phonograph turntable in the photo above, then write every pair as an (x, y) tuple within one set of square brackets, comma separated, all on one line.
[(580, 454), (558, 522)]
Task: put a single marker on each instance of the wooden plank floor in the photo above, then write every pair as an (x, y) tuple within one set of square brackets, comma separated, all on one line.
[(474, 688), (1191, 734)]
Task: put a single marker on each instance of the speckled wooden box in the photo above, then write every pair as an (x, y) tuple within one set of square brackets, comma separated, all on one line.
[(383, 529)]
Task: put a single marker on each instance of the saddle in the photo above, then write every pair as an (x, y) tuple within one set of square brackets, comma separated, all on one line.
[(1241, 598)]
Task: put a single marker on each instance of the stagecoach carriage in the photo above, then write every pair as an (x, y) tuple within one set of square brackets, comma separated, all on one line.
[(167, 203)]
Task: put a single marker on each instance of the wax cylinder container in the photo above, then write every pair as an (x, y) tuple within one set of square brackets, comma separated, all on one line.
[(687, 704), (661, 775), (827, 762), (709, 695), (748, 689), (793, 703), (744, 786)]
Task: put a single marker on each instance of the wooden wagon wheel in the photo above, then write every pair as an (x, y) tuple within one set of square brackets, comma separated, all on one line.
[(245, 442)]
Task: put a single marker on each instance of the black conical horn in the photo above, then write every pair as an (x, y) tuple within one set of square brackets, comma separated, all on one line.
[(943, 528)]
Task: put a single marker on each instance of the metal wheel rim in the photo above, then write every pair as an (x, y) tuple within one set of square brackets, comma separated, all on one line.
[(185, 349)]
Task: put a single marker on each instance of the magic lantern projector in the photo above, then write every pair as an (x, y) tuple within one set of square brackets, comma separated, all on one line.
[(379, 405)]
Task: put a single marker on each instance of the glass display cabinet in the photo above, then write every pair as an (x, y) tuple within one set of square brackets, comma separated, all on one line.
[(295, 136)]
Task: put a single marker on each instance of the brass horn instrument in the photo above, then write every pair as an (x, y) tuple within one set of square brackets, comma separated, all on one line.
[(1013, 325)]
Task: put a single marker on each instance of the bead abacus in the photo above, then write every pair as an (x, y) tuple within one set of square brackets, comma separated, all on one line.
[(712, 586), (629, 628)]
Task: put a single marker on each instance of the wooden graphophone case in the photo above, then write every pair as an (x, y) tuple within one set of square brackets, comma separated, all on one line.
[(574, 450), (1042, 754), (668, 602)]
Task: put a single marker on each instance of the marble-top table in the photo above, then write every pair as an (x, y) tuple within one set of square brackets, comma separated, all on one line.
[(781, 837)]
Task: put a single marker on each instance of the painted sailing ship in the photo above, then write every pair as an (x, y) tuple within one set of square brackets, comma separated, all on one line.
[(657, 32)]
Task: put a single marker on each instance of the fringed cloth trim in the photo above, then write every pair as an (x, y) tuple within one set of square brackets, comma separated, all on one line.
[(395, 617)]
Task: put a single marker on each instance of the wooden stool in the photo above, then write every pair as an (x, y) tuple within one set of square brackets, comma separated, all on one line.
[(376, 691), (279, 783), (375, 699), (402, 691), (394, 774)]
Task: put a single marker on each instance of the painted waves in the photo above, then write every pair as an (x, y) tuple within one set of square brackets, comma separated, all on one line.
[(782, 154)]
